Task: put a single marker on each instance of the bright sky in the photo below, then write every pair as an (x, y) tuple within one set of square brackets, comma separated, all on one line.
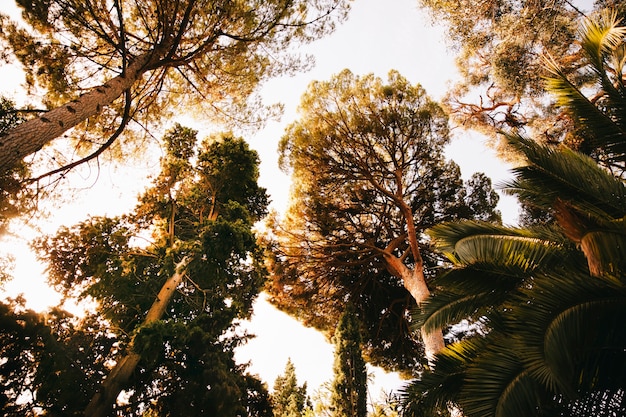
[(379, 36)]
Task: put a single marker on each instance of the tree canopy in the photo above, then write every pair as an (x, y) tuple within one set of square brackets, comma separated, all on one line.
[(369, 175), (501, 48), (288, 398), (103, 67)]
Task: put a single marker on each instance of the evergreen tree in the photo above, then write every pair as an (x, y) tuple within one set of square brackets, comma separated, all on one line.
[(369, 172), (100, 65), (170, 280), (289, 399), (349, 386)]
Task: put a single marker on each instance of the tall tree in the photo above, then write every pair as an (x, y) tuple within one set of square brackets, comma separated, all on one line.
[(501, 45), (289, 399), (550, 300), (369, 176), (172, 302), (102, 66), (349, 385)]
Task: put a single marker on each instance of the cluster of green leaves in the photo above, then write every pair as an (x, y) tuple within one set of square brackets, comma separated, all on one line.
[(548, 302), (364, 155)]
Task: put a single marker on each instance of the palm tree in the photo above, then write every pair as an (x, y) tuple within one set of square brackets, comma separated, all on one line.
[(546, 304)]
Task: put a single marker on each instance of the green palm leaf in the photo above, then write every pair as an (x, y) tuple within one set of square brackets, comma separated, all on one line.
[(559, 173), (601, 40)]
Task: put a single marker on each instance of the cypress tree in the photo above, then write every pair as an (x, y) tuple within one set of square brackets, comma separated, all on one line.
[(349, 386), (289, 399)]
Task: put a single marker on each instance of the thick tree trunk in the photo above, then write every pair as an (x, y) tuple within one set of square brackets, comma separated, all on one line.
[(415, 283), (32, 135), (102, 402), (413, 279)]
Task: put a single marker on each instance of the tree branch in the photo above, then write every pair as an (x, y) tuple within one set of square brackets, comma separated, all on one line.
[(100, 150)]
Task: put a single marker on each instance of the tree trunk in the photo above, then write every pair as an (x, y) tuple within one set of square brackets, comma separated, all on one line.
[(413, 279), (31, 136), (415, 282), (102, 402)]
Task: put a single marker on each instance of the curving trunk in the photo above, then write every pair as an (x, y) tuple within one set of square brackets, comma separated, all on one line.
[(31, 136), (414, 279), (102, 402), (415, 283)]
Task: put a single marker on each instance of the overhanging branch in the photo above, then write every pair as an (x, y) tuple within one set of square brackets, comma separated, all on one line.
[(100, 150)]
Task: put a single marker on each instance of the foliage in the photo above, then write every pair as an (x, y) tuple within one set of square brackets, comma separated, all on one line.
[(197, 218), (43, 354), (99, 66), (367, 164), (501, 46), (289, 399), (349, 384), (548, 301)]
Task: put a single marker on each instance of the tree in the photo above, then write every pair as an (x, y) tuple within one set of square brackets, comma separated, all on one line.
[(289, 399), (369, 176), (44, 354), (549, 300), (102, 66), (172, 303), (501, 46), (349, 385)]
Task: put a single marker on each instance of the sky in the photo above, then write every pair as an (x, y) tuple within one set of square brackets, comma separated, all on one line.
[(380, 35)]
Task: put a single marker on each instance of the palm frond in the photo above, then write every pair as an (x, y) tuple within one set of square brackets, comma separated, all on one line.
[(602, 41), (497, 384), (558, 172), (601, 36), (439, 387), (470, 242), (602, 132), (468, 292), (570, 324)]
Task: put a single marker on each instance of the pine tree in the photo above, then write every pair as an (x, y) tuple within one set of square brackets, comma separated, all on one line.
[(289, 399), (349, 386)]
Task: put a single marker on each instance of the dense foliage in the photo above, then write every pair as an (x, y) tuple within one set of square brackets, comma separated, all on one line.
[(288, 398), (369, 174), (548, 302), (349, 384), (169, 280)]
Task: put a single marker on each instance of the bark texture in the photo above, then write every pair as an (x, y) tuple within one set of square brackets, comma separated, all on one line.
[(414, 279), (415, 283), (31, 136)]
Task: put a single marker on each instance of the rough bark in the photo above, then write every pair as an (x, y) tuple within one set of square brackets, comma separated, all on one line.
[(101, 404), (31, 136)]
